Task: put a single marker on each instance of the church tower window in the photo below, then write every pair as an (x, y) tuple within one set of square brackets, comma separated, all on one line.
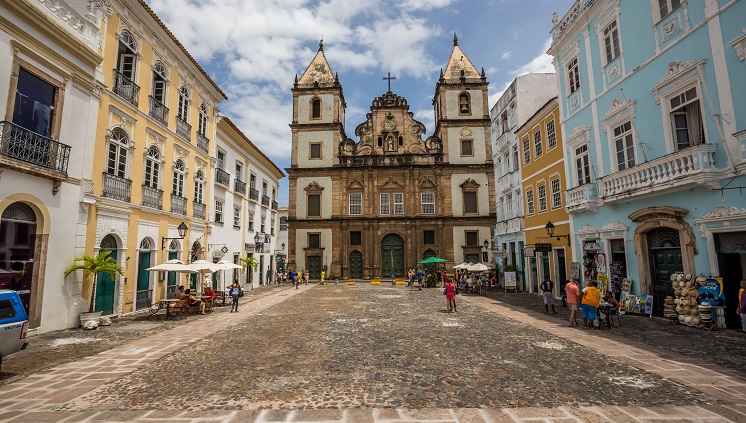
[(464, 105), (315, 152), (380, 141), (467, 148), (316, 108)]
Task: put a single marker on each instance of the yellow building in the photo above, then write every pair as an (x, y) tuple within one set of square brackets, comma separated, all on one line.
[(151, 163), (543, 177)]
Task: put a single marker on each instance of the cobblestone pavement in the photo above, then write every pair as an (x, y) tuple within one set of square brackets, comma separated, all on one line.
[(725, 348), (362, 354)]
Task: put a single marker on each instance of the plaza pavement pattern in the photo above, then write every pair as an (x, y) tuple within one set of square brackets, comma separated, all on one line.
[(375, 354)]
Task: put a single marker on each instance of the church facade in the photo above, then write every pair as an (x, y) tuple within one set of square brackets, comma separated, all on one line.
[(376, 205)]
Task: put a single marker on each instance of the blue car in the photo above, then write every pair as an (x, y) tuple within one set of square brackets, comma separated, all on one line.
[(13, 324)]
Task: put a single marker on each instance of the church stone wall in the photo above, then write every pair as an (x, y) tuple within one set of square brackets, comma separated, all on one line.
[(326, 196), (479, 145), (452, 106), (483, 193), (326, 138), (301, 243), (327, 108), (459, 241)]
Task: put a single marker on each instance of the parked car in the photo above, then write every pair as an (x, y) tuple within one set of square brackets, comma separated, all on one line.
[(13, 324)]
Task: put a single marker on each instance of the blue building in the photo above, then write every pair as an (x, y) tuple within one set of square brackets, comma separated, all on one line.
[(653, 103)]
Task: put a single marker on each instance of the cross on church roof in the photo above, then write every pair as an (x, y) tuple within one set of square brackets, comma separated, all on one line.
[(388, 77)]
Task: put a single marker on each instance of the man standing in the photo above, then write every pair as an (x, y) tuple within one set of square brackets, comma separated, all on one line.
[(573, 293), (322, 277), (741, 309), (589, 307), (546, 292)]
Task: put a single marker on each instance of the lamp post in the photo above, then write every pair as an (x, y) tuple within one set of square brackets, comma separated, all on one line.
[(550, 231), (182, 229), (282, 247)]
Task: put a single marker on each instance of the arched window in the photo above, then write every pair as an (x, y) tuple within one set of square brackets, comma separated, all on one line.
[(464, 103), (116, 161), (159, 82), (199, 186), (182, 112), (316, 108), (152, 167), (202, 127), (127, 55), (178, 182)]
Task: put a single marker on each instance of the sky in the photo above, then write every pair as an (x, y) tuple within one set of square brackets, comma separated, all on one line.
[(254, 48)]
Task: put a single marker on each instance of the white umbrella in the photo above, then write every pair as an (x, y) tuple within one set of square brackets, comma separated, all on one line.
[(477, 267), (203, 266), (173, 265), (227, 265), (461, 266)]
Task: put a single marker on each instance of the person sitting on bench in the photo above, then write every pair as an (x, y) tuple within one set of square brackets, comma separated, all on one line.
[(194, 301)]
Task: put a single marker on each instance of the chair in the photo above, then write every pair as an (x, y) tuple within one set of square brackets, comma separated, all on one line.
[(611, 317)]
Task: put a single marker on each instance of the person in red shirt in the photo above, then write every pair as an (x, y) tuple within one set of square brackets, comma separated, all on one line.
[(451, 296), (208, 292), (573, 297)]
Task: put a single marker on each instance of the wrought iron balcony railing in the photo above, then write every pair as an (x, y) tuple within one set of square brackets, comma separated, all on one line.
[(116, 187), (152, 197), (203, 143), (240, 186), (158, 111), (126, 88), (265, 200), (22, 144), (274, 205), (178, 204), (198, 210), (254, 194), (183, 129), (222, 177)]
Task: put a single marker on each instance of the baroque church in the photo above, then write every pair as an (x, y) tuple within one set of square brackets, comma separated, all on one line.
[(375, 205)]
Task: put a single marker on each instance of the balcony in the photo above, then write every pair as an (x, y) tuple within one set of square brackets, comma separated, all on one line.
[(158, 110), (126, 88), (254, 194), (22, 144), (203, 143), (265, 200), (116, 187), (508, 181), (183, 129), (198, 210), (178, 204), (222, 177), (152, 197), (683, 169), (515, 224), (274, 205), (240, 187)]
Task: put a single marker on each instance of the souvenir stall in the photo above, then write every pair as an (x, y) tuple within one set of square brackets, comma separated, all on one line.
[(697, 302)]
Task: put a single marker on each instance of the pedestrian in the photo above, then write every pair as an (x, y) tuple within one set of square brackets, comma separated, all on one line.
[(741, 309), (589, 307), (546, 292), (234, 292), (306, 275), (420, 275), (323, 274), (297, 282), (451, 296), (573, 293)]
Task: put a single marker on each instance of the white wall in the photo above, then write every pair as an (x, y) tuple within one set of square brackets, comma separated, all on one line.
[(483, 199), (326, 196)]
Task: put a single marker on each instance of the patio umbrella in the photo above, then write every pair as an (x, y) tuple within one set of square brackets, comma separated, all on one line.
[(461, 266), (227, 265), (203, 266), (432, 260), (477, 267), (172, 265)]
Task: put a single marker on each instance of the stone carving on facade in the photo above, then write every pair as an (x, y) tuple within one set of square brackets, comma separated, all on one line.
[(465, 133), (740, 45), (391, 183), (313, 187), (470, 183), (587, 230), (676, 70), (578, 135), (725, 212)]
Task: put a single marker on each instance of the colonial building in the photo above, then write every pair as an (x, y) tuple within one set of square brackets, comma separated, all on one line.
[(375, 206), (543, 182), (523, 97), (49, 56), (653, 110), (244, 202), (152, 172)]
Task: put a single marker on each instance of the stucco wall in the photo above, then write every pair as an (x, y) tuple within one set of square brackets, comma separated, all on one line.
[(326, 196), (483, 198)]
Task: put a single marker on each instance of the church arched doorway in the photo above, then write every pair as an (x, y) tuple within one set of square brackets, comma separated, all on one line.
[(105, 284), (665, 255), (17, 246), (392, 256), (356, 265)]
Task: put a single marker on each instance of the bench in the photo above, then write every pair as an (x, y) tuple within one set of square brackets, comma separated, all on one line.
[(176, 309)]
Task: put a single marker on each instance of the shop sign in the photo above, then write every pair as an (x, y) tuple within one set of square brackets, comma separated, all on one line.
[(224, 249), (591, 247), (529, 252), (711, 292), (509, 280), (543, 248)]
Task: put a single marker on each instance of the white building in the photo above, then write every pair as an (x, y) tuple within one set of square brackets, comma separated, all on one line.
[(244, 199), (525, 95), (282, 239), (49, 56)]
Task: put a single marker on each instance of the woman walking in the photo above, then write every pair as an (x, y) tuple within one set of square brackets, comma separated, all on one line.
[(451, 296), (234, 292)]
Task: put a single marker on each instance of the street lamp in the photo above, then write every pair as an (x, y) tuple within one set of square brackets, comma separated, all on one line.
[(182, 229), (486, 244), (550, 231), (282, 246)]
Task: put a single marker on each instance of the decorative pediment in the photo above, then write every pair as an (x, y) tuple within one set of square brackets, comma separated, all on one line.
[(313, 188), (469, 184), (721, 212), (578, 136), (355, 184), (739, 44), (678, 72), (427, 183), (586, 230), (614, 226), (620, 110), (391, 183), (657, 213)]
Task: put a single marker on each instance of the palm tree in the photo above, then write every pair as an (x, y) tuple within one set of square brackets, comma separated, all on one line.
[(102, 263), (253, 263)]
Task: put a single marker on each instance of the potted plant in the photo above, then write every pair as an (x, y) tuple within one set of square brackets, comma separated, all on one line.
[(250, 262), (92, 266)]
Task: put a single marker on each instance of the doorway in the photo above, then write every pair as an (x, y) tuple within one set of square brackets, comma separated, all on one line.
[(392, 256), (560, 269), (105, 284), (356, 265), (731, 255), (314, 267), (144, 296), (17, 245), (666, 259)]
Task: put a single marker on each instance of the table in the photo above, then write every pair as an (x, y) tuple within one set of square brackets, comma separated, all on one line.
[(606, 311), (166, 304)]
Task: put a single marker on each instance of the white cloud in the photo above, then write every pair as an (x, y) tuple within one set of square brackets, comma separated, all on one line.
[(539, 64), (506, 55), (427, 118), (426, 4)]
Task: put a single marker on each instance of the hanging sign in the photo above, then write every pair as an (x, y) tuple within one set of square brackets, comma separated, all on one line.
[(575, 270), (543, 248), (711, 292)]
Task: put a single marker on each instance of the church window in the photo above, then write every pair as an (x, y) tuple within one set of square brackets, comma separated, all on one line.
[(398, 203), (356, 204), (380, 141), (463, 103), (551, 135), (428, 203), (472, 238), (538, 149), (541, 191), (315, 150), (428, 237), (316, 108), (385, 203), (218, 210), (526, 152), (152, 167), (467, 148), (314, 205), (401, 141), (470, 202), (314, 240), (530, 202), (356, 238)]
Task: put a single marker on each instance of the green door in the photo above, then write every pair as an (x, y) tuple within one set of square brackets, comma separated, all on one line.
[(171, 279), (392, 256), (143, 281), (356, 265), (666, 261), (105, 290), (314, 267)]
